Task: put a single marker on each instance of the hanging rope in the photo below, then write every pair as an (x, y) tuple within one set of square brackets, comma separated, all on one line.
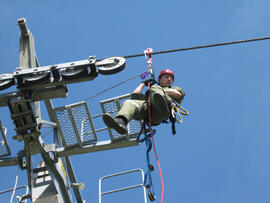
[(202, 46), (150, 127), (148, 57)]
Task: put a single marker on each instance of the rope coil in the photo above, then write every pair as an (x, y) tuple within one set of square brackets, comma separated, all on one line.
[(178, 110)]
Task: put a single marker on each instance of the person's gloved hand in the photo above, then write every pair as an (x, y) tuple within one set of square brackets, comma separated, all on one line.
[(152, 81)]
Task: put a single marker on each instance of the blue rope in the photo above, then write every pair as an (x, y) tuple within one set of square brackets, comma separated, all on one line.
[(148, 183)]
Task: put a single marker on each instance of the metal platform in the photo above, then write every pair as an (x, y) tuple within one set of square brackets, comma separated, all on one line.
[(78, 131), (76, 125)]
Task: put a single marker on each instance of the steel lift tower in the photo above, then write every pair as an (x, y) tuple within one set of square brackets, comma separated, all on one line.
[(74, 132)]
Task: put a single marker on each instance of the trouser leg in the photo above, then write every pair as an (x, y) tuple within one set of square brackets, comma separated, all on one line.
[(133, 109)]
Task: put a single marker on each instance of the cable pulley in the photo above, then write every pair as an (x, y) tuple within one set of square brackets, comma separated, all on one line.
[(61, 74), (111, 65)]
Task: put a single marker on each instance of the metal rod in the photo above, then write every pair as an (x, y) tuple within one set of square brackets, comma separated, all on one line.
[(22, 24), (11, 161), (122, 173), (122, 189)]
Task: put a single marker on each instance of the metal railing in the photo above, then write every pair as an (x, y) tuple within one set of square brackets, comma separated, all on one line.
[(123, 188)]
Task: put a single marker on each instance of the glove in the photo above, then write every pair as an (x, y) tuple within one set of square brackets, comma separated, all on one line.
[(152, 81)]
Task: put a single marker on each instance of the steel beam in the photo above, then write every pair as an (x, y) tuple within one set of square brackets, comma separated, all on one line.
[(11, 161), (38, 95)]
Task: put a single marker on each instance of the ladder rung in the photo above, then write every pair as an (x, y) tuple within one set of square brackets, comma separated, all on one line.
[(122, 189), (41, 169)]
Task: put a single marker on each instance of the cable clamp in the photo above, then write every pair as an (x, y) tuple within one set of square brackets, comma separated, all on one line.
[(148, 55)]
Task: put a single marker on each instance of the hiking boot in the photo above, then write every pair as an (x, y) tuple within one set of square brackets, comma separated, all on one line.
[(118, 124), (159, 103)]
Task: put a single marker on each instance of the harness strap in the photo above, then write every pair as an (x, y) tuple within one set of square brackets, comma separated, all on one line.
[(173, 120)]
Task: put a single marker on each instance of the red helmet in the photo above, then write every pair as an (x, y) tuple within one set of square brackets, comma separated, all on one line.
[(166, 71)]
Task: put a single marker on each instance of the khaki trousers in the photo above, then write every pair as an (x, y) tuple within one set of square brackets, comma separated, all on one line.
[(137, 109)]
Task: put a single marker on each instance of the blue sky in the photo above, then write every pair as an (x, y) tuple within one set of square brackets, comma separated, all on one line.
[(221, 151)]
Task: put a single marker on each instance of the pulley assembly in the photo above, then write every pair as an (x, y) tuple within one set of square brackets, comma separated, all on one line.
[(61, 74)]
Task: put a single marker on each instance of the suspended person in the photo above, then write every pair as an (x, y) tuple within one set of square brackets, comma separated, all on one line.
[(162, 95)]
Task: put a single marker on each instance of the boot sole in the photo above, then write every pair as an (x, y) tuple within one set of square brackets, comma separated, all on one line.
[(111, 123)]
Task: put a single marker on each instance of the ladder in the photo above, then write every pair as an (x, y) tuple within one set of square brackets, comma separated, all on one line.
[(123, 188)]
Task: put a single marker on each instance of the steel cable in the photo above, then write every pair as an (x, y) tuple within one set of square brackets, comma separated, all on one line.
[(201, 46), (118, 84), (178, 50)]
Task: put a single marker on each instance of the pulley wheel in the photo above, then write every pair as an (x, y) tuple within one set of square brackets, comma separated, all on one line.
[(111, 65), (36, 78), (74, 72)]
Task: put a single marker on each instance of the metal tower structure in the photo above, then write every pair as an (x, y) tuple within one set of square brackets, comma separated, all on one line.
[(73, 127)]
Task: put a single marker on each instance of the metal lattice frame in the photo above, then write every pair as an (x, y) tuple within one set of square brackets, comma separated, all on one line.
[(75, 124), (112, 106), (4, 148)]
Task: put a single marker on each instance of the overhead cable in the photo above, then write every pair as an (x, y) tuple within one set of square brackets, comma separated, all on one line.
[(178, 50), (201, 46)]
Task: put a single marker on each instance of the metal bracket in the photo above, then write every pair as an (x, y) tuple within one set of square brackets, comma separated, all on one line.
[(21, 160), (4, 148)]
